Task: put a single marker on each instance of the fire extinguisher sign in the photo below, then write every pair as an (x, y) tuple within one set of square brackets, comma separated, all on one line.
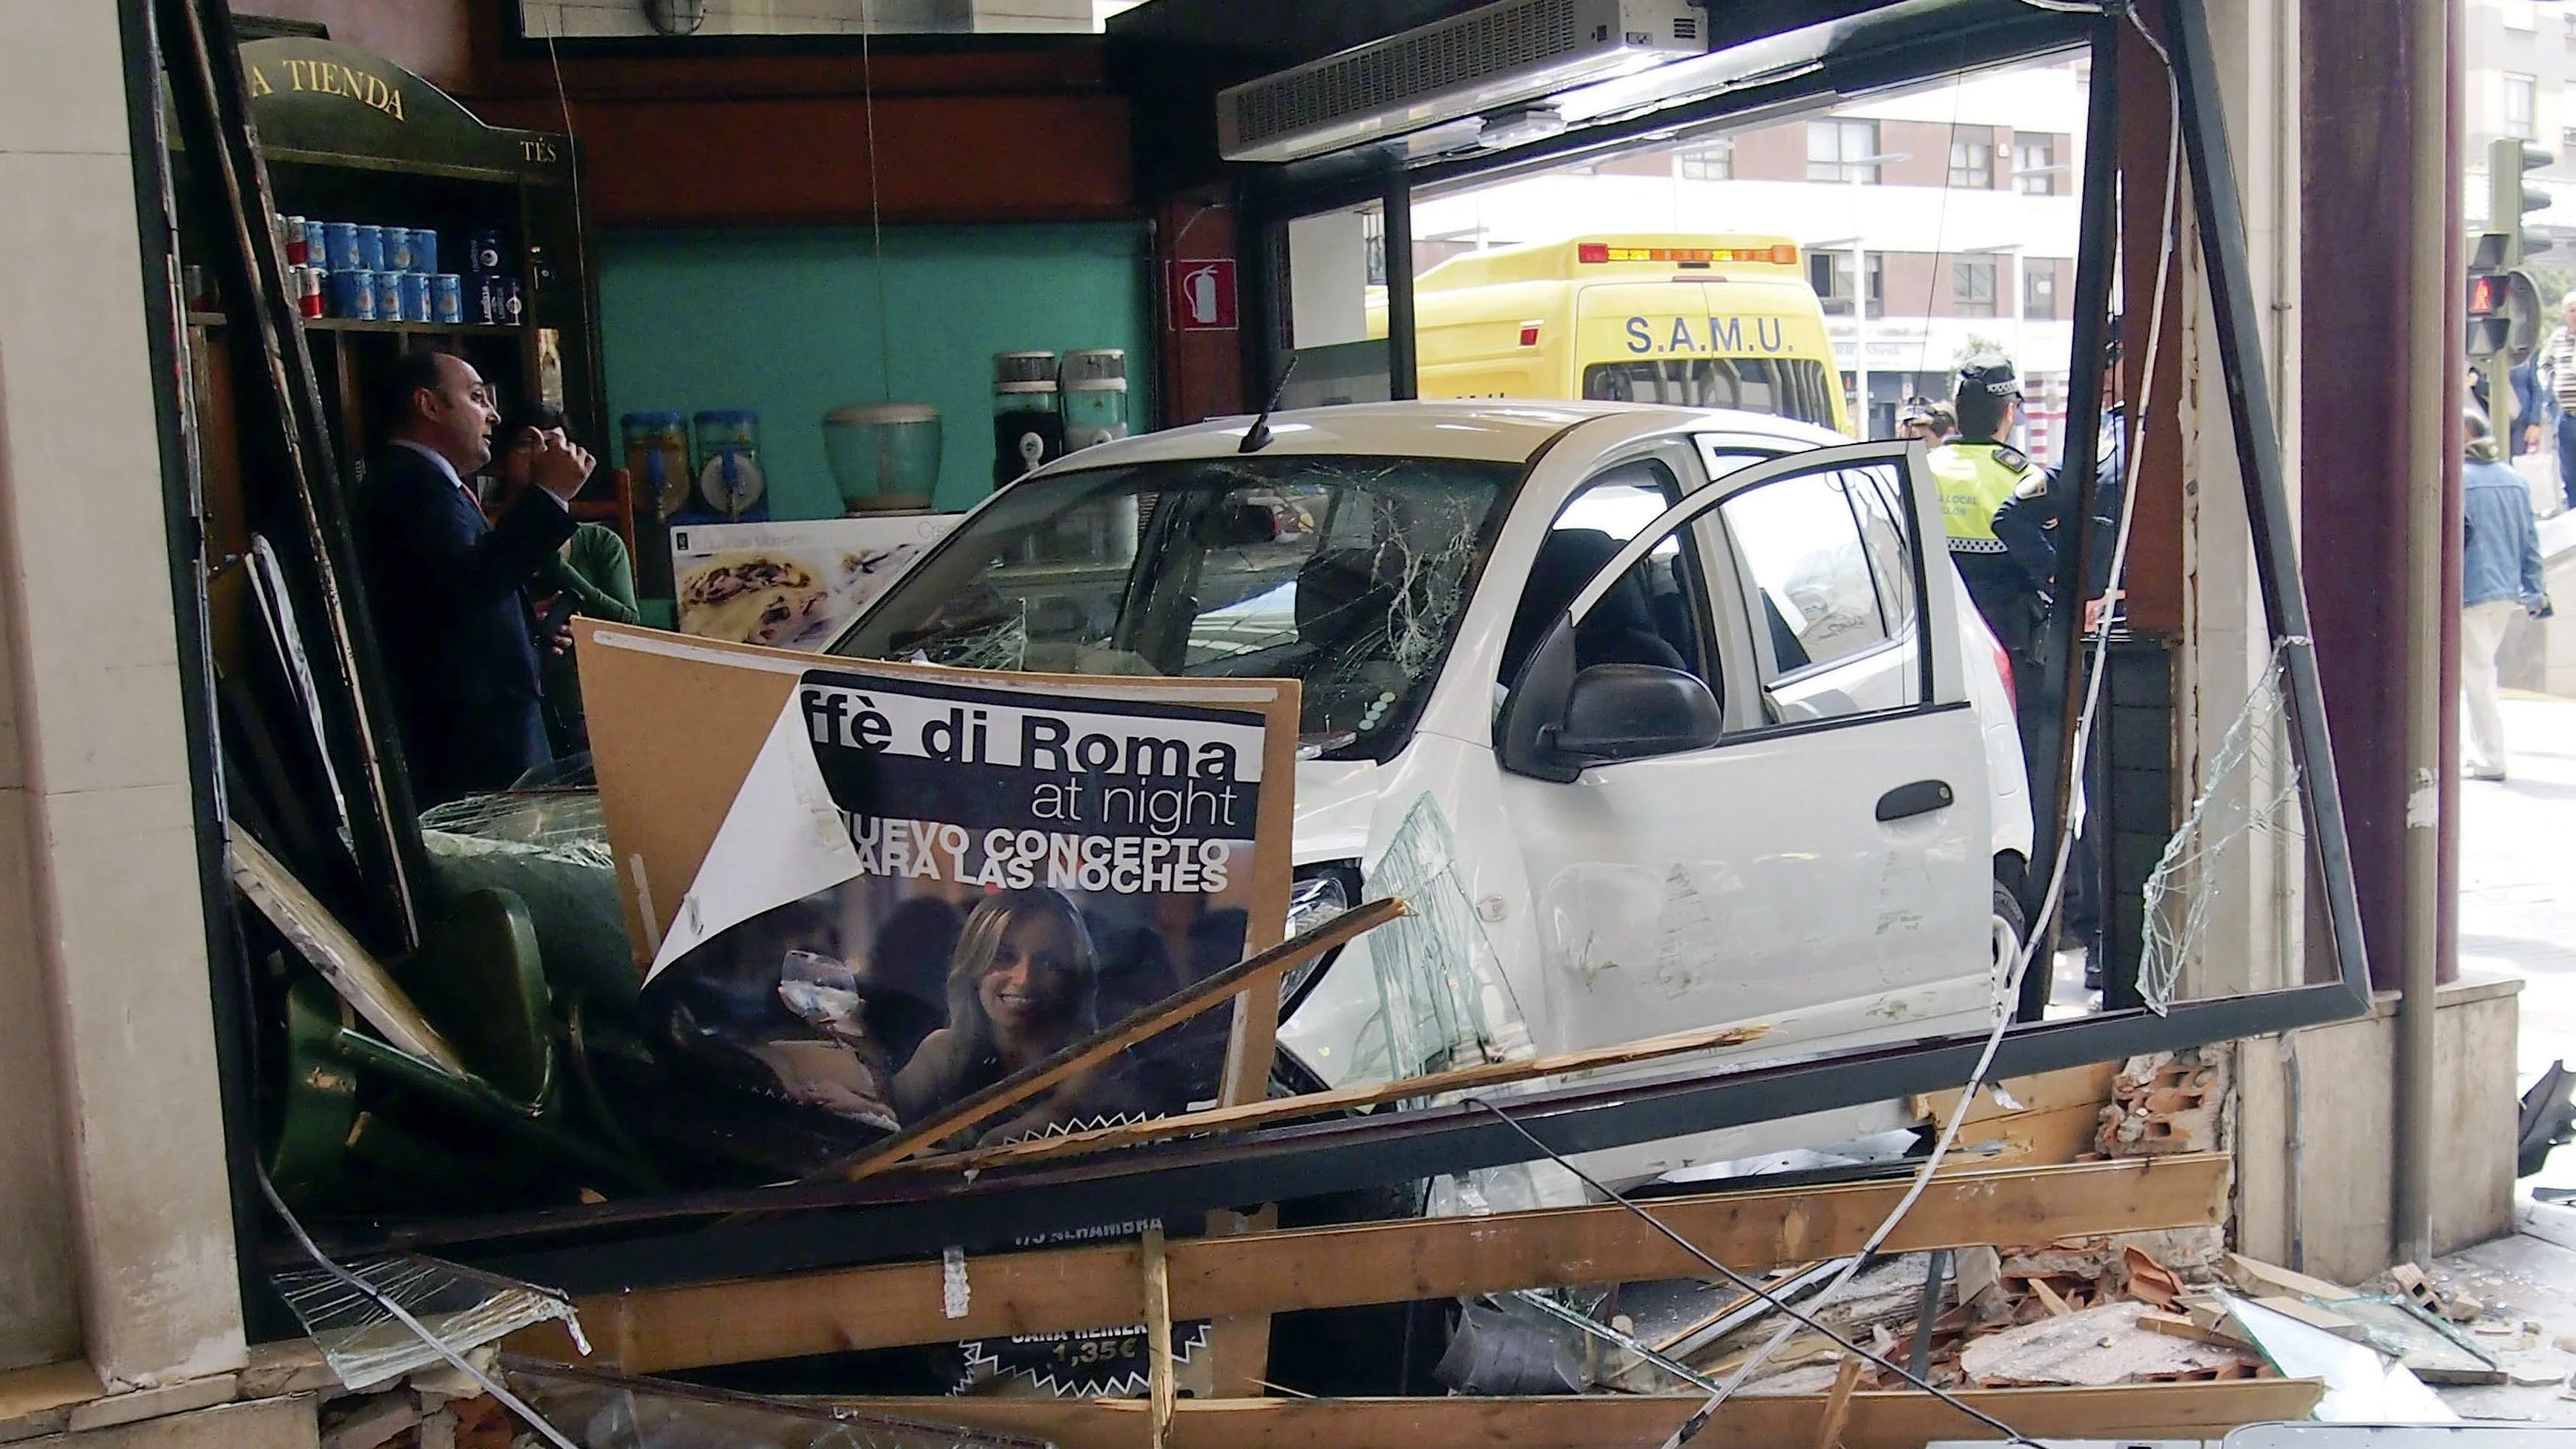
[(1203, 295)]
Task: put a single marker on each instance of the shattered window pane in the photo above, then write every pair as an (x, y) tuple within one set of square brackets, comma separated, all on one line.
[(607, 1411), (368, 1347), (2252, 791), (1423, 993), (1347, 574)]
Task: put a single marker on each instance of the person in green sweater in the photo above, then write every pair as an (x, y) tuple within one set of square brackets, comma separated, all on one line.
[(591, 572)]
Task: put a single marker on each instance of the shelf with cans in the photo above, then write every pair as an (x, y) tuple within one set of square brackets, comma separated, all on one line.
[(371, 272), (405, 223)]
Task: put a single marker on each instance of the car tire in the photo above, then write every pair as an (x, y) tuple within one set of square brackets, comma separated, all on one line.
[(2007, 930)]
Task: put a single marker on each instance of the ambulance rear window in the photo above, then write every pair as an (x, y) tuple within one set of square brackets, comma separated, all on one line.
[(1788, 387)]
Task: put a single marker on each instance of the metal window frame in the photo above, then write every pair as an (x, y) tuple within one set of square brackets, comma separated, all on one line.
[(633, 1245)]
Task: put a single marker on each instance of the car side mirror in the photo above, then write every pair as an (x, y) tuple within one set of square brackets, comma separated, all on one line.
[(1557, 720), (1633, 711)]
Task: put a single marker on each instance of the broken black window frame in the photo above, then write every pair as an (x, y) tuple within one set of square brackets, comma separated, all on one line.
[(1851, 50)]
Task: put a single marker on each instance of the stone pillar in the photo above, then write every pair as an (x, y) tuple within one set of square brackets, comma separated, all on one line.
[(112, 1174)]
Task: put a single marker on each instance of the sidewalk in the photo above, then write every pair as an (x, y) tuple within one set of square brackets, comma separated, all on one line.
[(2518, 915)]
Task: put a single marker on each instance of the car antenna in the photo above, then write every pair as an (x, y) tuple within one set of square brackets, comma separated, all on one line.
[(1258, 436)]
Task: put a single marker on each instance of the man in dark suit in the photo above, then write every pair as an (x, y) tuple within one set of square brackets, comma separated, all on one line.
[(447, 588)]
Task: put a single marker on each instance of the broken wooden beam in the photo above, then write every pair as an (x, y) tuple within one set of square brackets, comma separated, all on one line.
[(1895, 1419), (1271, 1110), (1101, 1286)]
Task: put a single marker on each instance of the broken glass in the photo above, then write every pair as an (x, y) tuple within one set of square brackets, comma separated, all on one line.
[(1347, 574), (368, 1347), (2252, 791), (1442, 999)]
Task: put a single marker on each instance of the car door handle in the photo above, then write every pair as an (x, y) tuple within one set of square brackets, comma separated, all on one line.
[(1920, 798)]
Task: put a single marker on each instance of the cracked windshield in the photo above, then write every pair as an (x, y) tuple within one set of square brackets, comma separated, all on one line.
[(1346, 573)]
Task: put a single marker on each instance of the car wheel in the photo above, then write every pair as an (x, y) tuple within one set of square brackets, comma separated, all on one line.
[(2007, 928)]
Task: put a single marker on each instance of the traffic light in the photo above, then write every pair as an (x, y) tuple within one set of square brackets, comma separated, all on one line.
[(2508, 200), (2504, 313)]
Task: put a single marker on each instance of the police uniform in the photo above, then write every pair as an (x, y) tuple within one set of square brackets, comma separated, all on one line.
[(2007, 572)]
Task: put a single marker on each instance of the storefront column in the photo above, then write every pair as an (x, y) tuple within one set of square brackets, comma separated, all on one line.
[(106, 1032)]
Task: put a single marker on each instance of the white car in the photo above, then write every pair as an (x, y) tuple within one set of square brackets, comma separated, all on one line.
[(1661, 718)]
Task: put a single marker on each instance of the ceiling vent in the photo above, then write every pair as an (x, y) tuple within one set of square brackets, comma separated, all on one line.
[(1500, 55)]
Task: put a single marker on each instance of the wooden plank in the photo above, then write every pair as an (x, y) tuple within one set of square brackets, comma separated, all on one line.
[(1066, 1289), (1829, 1424), (1315, 1104), (1260, 969), (2268, 1280), (1894, 1419), (1158, 1334), (2062, 1134), (2085, 1086)]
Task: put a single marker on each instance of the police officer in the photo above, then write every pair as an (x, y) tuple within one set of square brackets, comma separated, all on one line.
[(2007, 573)]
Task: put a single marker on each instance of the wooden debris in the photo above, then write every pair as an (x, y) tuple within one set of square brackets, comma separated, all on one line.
[(1098, 1286), (2264, 1280), (2175, 1325), (1829, 1428), (2048, 1298), (2095, 1348), (1904, 1419)]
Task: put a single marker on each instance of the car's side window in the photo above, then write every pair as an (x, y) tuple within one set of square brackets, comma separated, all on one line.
[(1826, 570), (1652, 615)]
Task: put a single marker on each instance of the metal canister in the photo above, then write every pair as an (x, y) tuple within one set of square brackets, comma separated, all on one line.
[(486, 257), (389, 298), (353, 295), (415, 296), (317, 245), (398, 249), (511, 309), (424, 250), (446, 297), (298, 246), (340, 246), (371, 247)]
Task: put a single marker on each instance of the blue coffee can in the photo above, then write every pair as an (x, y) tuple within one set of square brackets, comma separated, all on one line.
[(353, 295), (389, 306), (340, 246), (446, 297), (398, 249), (317, 245), (415, 296), (371, 247), (424, 250)]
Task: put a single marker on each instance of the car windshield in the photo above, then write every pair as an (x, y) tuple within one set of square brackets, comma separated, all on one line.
[(1345, 573), (1787, 387)]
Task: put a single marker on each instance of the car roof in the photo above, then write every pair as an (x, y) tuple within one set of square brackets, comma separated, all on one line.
[(1488, 430)]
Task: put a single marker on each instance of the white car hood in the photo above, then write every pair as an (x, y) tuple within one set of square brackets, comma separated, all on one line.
[(1335, 800)]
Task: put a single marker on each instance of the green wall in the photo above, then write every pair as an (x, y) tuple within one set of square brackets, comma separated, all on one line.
[(786, 323)]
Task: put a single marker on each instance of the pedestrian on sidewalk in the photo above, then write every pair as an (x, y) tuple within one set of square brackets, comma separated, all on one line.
[(2554, 369), (2499, 578)]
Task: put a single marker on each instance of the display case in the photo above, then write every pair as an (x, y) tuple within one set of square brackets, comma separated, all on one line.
[(351, 137)]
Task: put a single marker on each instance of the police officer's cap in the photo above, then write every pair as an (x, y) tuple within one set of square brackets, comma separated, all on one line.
[(1915, 410), (1991, 371)]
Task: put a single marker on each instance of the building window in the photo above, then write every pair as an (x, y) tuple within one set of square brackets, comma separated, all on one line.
[(2519, 107), (1874, 284), (1972, 163), (2035, 167), (1841, 151), (1714, 161), (1972, 287), (2039, 290), (1830, 273)]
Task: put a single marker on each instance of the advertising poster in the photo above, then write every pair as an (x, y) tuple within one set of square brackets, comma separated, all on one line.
[(870, 890), (791, 585)]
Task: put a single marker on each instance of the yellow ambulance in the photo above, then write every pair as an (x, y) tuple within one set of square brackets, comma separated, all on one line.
[(1694, 321)]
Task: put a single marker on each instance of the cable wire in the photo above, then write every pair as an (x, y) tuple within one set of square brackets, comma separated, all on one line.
[(2008, 989), (1699, 1420)]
